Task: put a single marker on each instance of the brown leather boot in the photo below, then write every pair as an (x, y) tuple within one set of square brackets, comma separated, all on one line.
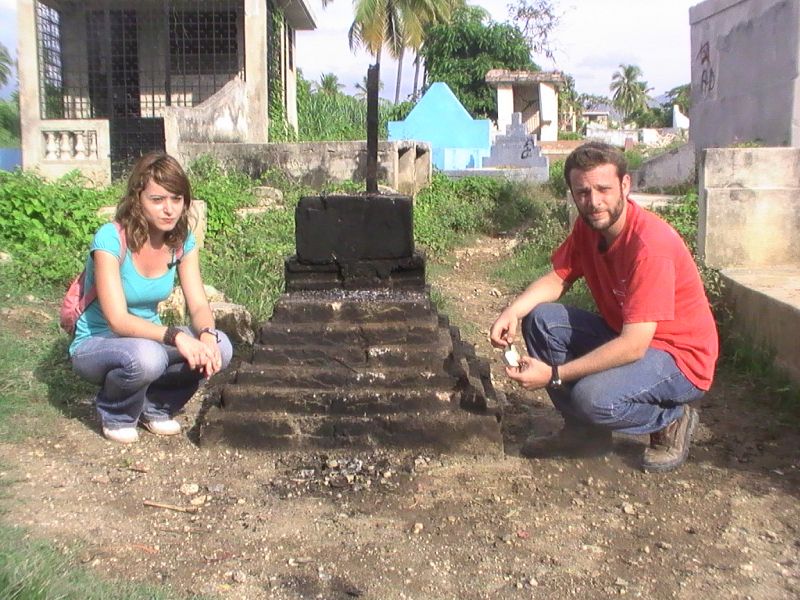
[(573, 440), (670, 446)]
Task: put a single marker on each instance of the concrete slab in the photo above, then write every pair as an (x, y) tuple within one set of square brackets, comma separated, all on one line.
[(653, 201), (766, 307)]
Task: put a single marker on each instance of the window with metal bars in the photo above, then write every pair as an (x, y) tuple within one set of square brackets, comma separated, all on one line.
[(203, 42), (51, 77)]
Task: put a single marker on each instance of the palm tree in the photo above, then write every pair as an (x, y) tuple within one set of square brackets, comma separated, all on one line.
[(5, 65), (395, 24), (630, 94), (328, 84)]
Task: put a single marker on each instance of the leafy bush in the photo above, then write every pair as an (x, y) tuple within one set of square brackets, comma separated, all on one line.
[(635, 158), (557, 183), (47, 226), (223, 191), (569, 135)]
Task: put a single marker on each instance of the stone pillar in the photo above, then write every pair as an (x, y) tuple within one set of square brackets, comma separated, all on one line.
[(255, 48), (505, 106), (28, 71), (548, 112)]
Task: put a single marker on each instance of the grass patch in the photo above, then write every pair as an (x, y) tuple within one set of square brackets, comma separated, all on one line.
[(37, 570)]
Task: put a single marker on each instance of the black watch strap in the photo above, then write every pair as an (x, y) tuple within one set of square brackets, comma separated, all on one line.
[(555, 378)]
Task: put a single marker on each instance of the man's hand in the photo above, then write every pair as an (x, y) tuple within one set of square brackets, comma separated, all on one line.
[(532, 374), (504, 330)]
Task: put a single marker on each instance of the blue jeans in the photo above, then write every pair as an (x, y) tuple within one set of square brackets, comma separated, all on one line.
[(139, 378), (638, 398)]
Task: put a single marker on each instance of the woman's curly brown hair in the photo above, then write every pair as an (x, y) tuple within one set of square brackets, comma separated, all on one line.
[(161, 168)]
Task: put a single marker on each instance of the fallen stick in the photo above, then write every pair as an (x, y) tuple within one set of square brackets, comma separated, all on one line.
[(183, 509)]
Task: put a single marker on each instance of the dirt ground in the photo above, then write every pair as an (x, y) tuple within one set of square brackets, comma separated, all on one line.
[(388, 525)]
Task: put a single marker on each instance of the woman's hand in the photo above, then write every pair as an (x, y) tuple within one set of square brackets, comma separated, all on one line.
[(532, 374), (198, 354), (215, 356)]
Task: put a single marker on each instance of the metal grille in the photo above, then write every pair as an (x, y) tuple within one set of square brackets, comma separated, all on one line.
[(50, 66), (127, 61)]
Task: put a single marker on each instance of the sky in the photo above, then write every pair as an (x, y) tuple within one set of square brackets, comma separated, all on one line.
[(593, 38)]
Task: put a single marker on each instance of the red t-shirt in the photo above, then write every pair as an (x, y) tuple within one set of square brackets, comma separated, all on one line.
[(647, 274)]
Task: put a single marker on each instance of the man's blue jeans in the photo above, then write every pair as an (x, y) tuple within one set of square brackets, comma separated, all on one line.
[(637, 398), (139, 378)]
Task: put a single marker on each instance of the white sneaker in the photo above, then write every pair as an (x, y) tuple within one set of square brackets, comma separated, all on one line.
[(163, 427), (123, 435)]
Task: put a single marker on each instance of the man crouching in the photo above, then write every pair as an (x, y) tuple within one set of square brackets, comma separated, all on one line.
[(636, 367)]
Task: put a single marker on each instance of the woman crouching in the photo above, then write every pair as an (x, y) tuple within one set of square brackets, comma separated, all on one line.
[(147, 371)]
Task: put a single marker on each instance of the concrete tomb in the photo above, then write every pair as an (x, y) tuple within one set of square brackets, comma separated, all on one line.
[(355, 354), (517, 148)]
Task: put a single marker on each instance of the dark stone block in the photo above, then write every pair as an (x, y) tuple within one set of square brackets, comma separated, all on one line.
[(396, 273), (337, 229)]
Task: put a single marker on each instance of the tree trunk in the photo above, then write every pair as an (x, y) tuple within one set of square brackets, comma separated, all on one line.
[(416, 76), (399, 75)]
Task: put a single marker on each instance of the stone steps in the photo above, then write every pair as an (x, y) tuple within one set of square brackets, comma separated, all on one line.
[(354, 306), (338, 376), (362, 335), (386, 355), (451, 431), (260, 402)]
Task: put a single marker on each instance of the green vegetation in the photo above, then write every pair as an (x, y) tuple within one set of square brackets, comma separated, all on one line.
[(9, 122), (460, 54), (326, 114), (556, 182), (46, 226), (629, 92), (36, 570)]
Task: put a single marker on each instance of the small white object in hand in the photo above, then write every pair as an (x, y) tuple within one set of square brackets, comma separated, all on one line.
[(511, 356)]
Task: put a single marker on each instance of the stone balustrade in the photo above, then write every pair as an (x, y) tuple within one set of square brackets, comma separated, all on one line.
[(64, 145), (69, 145)]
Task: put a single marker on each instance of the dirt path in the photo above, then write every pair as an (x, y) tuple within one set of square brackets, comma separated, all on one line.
[(393, 525)]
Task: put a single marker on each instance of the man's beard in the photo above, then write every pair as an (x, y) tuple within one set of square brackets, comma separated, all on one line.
[(614, 213)]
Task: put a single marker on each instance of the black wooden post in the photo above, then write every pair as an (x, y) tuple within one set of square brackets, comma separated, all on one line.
[(373, 77)]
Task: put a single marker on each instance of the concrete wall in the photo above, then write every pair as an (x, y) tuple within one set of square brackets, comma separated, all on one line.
[(749, 207), (404, 166), (672, 168), (615, 137), (745, 56), (221, 118)]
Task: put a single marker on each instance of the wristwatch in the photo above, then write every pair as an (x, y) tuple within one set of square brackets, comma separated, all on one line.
[(210, 330), (555, 379)]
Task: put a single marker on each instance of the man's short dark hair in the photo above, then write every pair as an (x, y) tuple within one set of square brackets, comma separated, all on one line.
[(595, 154)]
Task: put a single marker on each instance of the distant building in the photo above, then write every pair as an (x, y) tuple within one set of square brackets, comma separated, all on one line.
[(533, 94), (602, 116), (103, 81)]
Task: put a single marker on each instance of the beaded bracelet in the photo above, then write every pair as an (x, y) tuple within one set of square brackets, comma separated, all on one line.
[(170, 334)]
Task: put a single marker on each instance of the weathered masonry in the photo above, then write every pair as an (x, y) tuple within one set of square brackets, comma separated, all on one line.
[(102, 81), (355, 354)]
